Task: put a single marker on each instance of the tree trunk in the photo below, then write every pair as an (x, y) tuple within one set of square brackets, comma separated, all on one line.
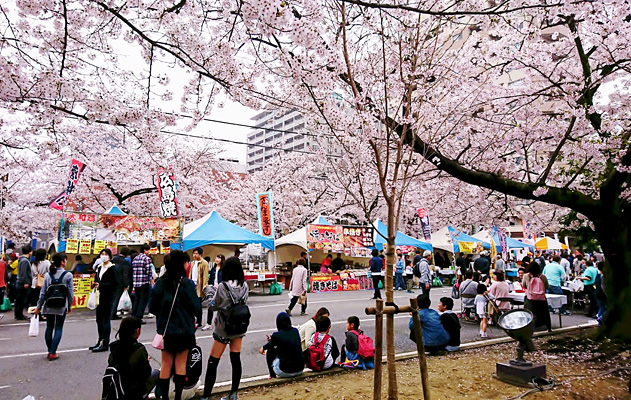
[(613, 236), (393, 390)]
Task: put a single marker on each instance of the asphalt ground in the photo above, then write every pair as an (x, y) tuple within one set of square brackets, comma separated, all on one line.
[(77, 373)]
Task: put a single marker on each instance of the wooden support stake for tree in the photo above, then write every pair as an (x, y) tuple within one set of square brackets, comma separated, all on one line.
[(378, 312), (378, 348), (420, 348)]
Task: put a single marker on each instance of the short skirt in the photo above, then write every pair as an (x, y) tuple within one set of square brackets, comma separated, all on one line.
[(179, 343)]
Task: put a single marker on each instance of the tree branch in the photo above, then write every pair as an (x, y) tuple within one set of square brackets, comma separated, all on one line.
[(556, 152)]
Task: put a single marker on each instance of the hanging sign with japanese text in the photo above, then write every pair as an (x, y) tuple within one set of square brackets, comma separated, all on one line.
[(76, 167), (358, 236), (325, 237), (167, 192), (120, 229), (85, 246), (72, 246), (265, 214)]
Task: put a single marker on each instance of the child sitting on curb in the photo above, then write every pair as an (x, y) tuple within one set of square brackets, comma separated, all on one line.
[(350, 357), (323, 351), (450, 322)]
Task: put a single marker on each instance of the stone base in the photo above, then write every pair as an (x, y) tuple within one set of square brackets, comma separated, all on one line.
[(519, 375)]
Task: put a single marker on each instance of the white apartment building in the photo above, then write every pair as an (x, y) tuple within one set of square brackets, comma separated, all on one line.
[(279, 131)]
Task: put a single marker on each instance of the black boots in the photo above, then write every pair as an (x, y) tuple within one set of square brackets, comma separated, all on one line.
[(98, 344), (105, 346)]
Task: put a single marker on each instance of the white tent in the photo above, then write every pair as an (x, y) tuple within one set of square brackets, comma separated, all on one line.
[(442, 240), (299, 237)]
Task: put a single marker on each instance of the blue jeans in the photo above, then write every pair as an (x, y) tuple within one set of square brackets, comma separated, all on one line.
[(400, 283), (54, 330), (556, 290), (279, 373), (602, 307)]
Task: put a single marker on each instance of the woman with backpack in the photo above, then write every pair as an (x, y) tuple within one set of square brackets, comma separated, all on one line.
[(536, 285), (230, 324), (131, 360), (175, 304), (55, 301)]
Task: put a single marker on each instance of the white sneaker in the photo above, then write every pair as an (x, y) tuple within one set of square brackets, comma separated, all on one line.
[(206, 327), (483, 334), (149, 315)]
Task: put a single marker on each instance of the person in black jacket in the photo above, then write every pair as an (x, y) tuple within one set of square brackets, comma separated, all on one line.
[(450, 322), (107, 282), (124, 272), (131, 360), (175, 304), (284, 352)]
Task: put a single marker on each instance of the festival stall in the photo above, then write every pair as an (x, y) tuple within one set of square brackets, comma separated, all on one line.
[(354, 243), (215, 235), (400, 240), (87, 234)]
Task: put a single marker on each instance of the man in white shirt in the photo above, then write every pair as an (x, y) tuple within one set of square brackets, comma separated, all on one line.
[(565, 263)]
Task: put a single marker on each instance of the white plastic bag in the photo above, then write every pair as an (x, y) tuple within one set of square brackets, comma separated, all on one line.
[(576, 285), (92, 300), (124, 304), (33, 329)]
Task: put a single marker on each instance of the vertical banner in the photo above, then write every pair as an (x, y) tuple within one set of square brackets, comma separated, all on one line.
[(59, 202), (424, 216), (167, 193), (265, 214)]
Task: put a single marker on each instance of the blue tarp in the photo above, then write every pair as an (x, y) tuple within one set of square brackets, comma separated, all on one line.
[(216, 230), (457, 236), (400, 240)]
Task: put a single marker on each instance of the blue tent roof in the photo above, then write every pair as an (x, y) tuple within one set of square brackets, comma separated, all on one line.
[(321, 221), (458, 236), (511, 243), (400, 240), (214, 229), (114, 210)]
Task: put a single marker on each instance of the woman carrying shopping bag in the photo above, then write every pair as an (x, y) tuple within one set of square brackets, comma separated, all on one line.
[(55, 301), (106, 281), (175, 305)]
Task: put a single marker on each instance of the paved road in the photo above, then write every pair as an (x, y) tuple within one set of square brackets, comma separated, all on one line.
[(77, 373)]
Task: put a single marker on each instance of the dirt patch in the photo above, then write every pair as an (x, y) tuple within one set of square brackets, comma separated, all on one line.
[(575, 362)]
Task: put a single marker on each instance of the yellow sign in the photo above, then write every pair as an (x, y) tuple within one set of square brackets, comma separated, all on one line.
[(72, 246), (81, 285), (85, 246), (99, 245), (468, 247)]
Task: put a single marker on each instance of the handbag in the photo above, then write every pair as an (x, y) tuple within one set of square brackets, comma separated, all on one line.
[(158, 339), (40, 281), (302, 299)]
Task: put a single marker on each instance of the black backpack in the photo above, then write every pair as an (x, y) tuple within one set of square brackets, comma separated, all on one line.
[(56, 295), (112, 385), (417, 269), (237, 316)]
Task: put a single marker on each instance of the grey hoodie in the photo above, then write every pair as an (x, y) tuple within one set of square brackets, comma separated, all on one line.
[(222, 301)]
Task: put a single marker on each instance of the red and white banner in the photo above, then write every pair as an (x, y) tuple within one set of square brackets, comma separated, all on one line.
[(167, 193), (76, 167)]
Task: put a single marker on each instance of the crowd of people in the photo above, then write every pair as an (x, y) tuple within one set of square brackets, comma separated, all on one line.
[(175, 294)]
